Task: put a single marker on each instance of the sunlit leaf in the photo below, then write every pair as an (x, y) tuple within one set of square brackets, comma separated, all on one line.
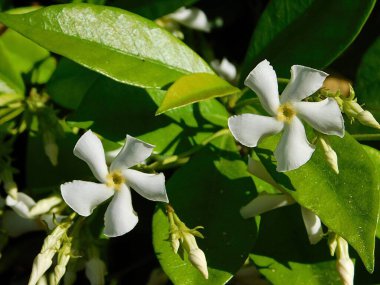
[(194, 88), (111, 41)]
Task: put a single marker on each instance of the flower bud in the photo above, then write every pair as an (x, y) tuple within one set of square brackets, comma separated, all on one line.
[(313, 225), (175, 244), (367, 119), (330, 154), (344, 264), (351, 108), (44, 205), (264, 203), (198, 259), (63, 259), (41, 264)]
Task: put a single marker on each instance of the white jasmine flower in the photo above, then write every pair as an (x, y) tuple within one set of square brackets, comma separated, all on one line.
[(193, 18), (286, 112), (83, 197)]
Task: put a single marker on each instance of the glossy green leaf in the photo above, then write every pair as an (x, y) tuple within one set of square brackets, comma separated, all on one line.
[(283, 254), (111, 41), (347, 203), (10, 79), (23, 53), (43, 70), (368, 80), (194, 88), (113, 110), (311, 33), (151, 9), (209, 191)]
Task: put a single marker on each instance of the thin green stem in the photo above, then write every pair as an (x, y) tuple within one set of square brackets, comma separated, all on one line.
[(367, 137), (184, 157), (283, 80), (247, 102)]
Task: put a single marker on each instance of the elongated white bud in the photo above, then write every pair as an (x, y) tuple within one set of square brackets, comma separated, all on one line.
[(264, 203), (367, 119), (330, 154), (175, 244), (224, 69), (344, 264), (196, 255), (41, 264), (257, 169), (313, 225), (63, 259)]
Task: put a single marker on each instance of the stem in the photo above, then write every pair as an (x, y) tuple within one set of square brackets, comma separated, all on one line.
[(247, 102), (183, 158), (283, 80), (367, 137)]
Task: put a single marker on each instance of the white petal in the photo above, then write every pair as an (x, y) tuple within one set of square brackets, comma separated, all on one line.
[(257, 168), (120, 217), (264, 203), (83, 196), (313, 225), (193, 18), (150, 186), (90, 149), (324, 116), (22, 205), (263, 81), (248, 129), (304, 81), (15, 225), (133, 152), (224, 68), (294, 150), (50, 220)]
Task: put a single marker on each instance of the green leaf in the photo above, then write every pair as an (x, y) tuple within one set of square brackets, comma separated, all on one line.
[(44, 70), (10, 79), (151, 9), (67, 75), (311, 33), (347, 203), (113, 110), (111, 41), (368, 80), (283, 253), (23, 53), (218, 177), (194, 88)]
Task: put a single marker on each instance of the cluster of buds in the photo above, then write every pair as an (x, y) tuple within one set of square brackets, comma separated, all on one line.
[(180, 234), (344, 265), (345, 96), (57, 242)]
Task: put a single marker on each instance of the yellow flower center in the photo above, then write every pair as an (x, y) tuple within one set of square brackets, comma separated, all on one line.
[(285, 113), (115, 179)]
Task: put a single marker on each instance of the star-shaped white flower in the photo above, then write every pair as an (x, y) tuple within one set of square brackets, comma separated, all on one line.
[(83, 196), (286, 112)]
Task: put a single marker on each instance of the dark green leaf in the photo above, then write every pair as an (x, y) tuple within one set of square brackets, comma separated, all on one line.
[(284, 255), (368, 80), (68, 75), (209, 191), (111, 41), (311, 33), (347, 203), (194, 88)]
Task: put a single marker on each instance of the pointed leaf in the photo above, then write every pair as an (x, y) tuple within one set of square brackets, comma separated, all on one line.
[(111, 41), (310, 33), (194, 88), (347, 203)]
